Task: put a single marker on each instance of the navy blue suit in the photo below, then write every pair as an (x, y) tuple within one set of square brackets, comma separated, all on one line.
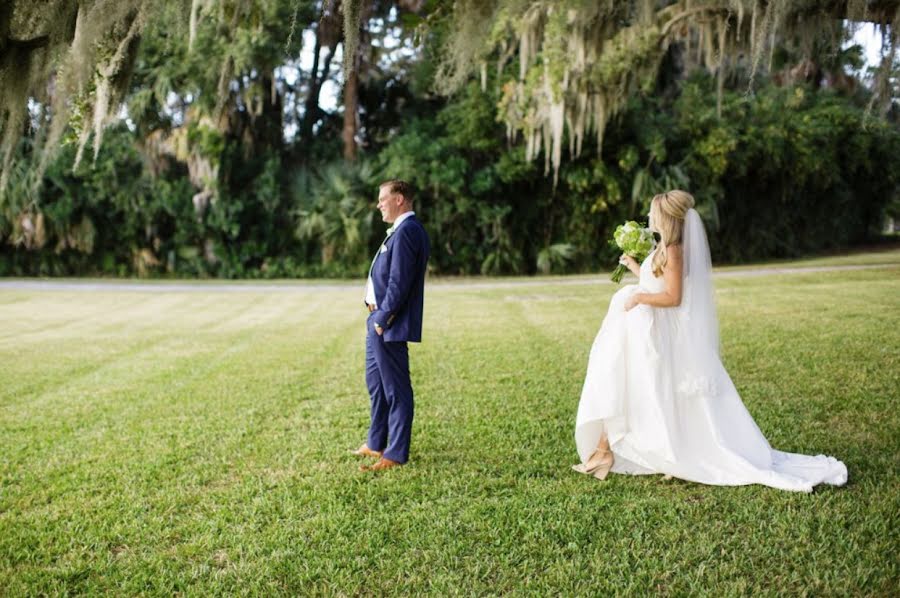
[(398, 279)]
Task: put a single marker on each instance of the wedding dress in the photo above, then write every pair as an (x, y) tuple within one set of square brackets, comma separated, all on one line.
[(656, 387)]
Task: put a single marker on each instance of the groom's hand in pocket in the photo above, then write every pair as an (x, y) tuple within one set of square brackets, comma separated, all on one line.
[(379, 330)]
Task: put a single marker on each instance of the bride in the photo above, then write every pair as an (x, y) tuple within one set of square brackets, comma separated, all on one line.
[(656, 398)]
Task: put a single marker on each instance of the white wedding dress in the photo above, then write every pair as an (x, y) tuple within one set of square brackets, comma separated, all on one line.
[(655, 383)]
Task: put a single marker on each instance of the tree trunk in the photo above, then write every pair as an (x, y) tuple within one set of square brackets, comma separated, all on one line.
[(312, 110), (351, 106), (271, 122), (312, 98), (351, 85)]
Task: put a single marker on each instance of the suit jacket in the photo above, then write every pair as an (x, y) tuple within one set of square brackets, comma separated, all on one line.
[(398, 278)]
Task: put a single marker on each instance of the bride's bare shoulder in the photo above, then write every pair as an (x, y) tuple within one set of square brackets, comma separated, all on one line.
[(673, 258), (674, 251)]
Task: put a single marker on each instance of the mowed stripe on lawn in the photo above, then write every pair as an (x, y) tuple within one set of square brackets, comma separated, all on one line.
[(192, 442)]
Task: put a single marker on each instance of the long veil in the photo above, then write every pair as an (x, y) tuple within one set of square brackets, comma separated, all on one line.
[(697, 312)]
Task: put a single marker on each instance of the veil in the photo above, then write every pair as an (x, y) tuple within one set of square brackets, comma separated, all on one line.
[(700, 325)]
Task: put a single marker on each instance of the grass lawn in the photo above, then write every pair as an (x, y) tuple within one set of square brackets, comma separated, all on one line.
[(196, 442)]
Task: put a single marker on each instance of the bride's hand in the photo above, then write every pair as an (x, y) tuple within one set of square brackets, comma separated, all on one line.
[(629, 262), (631, 302)]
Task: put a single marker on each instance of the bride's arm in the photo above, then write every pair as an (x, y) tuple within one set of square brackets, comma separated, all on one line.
[(630, 263), (671, 296)]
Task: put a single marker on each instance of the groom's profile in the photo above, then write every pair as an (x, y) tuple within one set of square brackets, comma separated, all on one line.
[(395, 293)]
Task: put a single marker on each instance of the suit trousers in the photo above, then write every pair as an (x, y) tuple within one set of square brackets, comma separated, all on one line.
[(391, 394)]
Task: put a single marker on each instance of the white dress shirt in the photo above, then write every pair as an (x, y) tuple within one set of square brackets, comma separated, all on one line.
[(370, 287)]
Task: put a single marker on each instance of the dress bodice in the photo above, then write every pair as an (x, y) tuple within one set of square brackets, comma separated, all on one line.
[(651, 283)]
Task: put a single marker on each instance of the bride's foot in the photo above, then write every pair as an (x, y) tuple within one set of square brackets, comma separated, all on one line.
[(598, 464)]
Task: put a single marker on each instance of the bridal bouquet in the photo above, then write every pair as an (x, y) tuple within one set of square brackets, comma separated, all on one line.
[(633, 240)]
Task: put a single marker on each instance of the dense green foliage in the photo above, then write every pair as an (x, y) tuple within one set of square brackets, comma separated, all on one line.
[(787, 172), (198, 185), (196, 443)]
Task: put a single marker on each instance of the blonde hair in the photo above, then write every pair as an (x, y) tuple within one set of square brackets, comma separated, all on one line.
[(667, 212)]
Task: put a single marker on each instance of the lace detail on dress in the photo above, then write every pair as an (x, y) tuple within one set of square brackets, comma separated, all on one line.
[(697, 387)]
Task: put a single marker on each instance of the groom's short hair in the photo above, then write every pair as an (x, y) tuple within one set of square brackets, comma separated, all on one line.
[(400, 187)]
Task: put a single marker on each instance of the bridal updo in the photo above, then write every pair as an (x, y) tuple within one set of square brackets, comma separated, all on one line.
[(667, 212)]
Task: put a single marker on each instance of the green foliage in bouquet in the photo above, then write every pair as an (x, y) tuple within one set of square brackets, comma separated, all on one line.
[(634, 240)]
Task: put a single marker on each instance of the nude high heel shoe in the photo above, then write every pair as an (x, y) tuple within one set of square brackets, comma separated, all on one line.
[(598, 464)]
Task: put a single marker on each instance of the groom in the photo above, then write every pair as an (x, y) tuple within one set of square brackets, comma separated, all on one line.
[(395, 292)]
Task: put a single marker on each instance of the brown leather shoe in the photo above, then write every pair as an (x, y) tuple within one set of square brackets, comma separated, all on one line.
[(365, 451), (380, 465)]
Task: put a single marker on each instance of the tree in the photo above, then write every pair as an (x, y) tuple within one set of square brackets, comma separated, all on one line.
[(580, 60)]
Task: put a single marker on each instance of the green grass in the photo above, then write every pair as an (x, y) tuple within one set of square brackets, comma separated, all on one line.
[(196, 443), (889, 254)]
